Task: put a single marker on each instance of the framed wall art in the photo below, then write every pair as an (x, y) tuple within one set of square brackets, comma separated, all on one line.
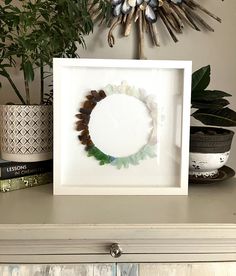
[(121, 127)]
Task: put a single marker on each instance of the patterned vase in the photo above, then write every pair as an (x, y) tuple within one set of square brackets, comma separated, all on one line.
[(26, 132)]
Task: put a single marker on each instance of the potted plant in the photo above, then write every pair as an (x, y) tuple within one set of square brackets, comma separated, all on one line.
[(31, 34), (209, 146)]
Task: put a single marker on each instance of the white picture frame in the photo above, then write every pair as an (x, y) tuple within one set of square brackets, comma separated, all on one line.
[(167, 174)]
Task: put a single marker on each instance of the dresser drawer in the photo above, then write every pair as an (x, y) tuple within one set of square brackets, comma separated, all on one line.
[(137, 243)]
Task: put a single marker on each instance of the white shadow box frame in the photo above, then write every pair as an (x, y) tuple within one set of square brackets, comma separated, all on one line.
[(167, 83)]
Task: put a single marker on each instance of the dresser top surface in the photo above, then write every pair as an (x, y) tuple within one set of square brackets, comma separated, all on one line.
[(205, 204)]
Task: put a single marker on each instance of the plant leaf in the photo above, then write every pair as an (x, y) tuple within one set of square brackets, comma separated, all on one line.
[(215, 104), (201, 78), (4, 73), (222, 117), (209, 95), (28, 71)]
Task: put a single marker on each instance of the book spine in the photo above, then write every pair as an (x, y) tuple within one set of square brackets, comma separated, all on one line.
[(23, 182), (12, 170)]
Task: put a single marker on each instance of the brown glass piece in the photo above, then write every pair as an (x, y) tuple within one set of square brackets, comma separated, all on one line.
[(96, 95), (89, 105), (84, 139), (81, 126), (90, 143), (82, 116), (86, 121), (91, 98), (85, 132), (102, 94), (85, 111)]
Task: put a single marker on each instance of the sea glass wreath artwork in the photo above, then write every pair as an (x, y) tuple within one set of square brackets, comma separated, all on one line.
[(148, 15), (93, 98)]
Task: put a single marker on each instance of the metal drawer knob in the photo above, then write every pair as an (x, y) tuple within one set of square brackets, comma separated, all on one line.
[(115, 250)]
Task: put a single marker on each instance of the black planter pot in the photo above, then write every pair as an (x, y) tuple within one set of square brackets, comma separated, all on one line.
[(209, 150), (210, 139)]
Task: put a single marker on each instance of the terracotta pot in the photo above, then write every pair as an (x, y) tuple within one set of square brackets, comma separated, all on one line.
[(209, 150), (26, 132)]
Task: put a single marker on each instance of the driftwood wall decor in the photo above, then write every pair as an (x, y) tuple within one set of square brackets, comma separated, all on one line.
[(175, 15)]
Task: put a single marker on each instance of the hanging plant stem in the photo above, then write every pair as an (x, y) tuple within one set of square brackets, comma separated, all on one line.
[(41, 82), (27, 91), (17, 92)]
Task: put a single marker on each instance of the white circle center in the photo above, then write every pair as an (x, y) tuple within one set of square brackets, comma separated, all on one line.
[(120, 125)]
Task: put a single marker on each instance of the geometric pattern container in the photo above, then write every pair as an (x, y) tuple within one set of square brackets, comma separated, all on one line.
[(26, 132)]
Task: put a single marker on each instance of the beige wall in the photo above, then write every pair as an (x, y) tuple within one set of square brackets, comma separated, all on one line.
[(216, 49)]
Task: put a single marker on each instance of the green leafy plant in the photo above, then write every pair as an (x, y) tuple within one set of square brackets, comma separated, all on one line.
[(33, 32), (212, 107)]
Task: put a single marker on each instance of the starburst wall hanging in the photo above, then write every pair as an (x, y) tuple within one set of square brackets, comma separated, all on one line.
[(147, 14)]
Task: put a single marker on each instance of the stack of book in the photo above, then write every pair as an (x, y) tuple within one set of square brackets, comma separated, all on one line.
[(21, 175)]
